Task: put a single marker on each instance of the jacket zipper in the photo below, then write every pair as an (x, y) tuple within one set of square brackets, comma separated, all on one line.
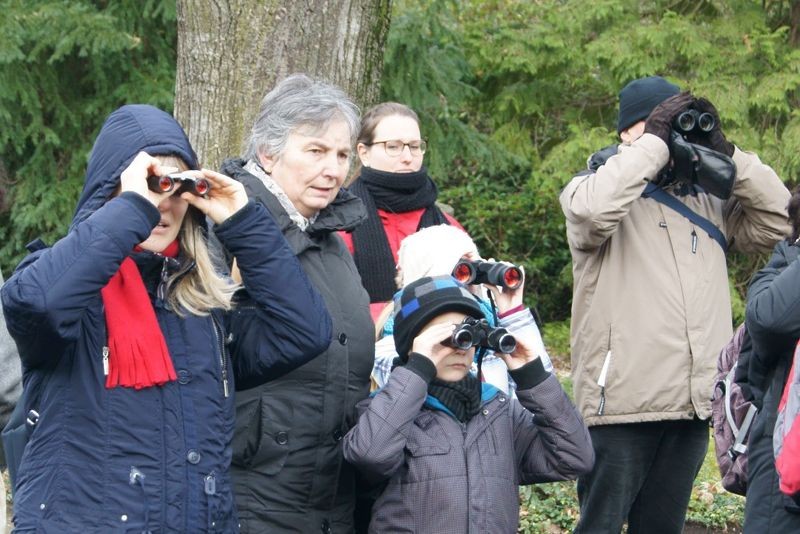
[(222, 360), (601, 380), (466, 463)]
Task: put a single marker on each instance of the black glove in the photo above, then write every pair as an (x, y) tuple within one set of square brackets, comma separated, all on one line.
[(715, 139), (659, 122)]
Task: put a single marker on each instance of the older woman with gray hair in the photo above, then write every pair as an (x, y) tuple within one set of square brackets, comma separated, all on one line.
[(287, 460)]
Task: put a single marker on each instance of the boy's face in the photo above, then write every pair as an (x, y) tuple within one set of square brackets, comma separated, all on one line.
[(452, 364)]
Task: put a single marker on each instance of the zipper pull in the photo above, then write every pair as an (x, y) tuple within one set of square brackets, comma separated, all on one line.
[(161, 292), (694, 242), (105, 361), (210, 484), (225, 389)]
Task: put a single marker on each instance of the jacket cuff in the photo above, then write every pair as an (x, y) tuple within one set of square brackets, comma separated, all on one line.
[(512, 311), (421, 366), (529, 375), (241, 214), (144, 206)]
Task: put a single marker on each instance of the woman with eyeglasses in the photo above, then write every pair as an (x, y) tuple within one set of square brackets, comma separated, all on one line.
[(399, 196)]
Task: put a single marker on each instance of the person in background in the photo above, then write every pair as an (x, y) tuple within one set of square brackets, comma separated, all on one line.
[(10, 384), (435, 251), (135, 342), (10, 389), (773, 323), (399, 196), (651, 304), (450, 450), (289, 471)]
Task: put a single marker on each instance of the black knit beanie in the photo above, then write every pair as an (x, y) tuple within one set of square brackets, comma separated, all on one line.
[(640, 97), (424, 299)]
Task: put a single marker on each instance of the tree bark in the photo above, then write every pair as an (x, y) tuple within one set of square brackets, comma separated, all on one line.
[(231, 53)]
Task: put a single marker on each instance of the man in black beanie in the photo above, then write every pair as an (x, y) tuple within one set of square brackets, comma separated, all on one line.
[(651, 305)]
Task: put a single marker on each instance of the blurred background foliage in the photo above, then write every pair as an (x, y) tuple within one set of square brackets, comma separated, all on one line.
[(65, 66), (514, 95)]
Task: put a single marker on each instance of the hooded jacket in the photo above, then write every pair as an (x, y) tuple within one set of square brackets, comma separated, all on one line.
[(157, 459), (773, 322), (651, 301), (288, 466)]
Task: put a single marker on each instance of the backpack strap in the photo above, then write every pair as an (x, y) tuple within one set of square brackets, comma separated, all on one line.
[(739, 433), (661, 196)]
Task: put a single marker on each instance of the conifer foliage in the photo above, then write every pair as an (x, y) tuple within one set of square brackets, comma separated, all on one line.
[(65, 66)]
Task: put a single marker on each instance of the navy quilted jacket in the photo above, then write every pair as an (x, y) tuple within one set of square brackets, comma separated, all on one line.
[(154, 460)]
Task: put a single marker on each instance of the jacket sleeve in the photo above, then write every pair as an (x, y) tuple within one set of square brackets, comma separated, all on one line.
[(284, 323), (45, 299), (551, 441), (595, 203), (772, 316), (376, 444), (756, 217)]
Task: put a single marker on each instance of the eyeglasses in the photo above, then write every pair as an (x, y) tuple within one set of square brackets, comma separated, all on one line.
[(394, 147)]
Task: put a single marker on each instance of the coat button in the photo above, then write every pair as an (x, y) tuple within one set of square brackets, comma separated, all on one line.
[(485, 411), (502, 399), (343, 339), (184, 376), (282, 438), (337, 435), (193, 457)]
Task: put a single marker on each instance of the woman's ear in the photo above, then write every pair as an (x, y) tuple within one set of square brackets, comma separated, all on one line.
[(363, 154), (267, 162)]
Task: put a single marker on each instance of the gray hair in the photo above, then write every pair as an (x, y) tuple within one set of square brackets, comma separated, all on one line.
[(298, 102)]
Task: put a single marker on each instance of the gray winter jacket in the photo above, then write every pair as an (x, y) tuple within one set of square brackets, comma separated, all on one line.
[(444, 476), (10, 377)]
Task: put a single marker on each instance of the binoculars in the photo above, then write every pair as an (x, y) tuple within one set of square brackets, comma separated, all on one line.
[(477, 333), (488, 272), (692, 120), (178, 183)]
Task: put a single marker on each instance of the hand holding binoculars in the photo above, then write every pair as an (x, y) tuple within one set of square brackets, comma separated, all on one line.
[(177, 183)]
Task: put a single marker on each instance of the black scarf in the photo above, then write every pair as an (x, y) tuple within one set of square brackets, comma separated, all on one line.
[(396, 193), (463, 398)]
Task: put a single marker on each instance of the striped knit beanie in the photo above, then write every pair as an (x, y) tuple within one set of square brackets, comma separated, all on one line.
[(423, 300)]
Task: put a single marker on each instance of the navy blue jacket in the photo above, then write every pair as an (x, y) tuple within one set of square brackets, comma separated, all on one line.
[(156, 459)]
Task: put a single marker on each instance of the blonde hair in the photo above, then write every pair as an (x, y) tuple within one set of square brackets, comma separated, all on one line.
[(202, 288)]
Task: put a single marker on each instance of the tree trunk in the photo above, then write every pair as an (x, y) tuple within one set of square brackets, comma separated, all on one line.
[(231, 53)]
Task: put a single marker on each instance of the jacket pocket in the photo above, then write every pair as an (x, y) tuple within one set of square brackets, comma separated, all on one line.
[(263, 434)]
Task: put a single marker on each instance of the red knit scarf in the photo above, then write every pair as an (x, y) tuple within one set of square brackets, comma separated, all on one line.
[(138, 355)]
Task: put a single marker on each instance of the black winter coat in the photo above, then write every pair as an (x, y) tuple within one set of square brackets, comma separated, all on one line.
[(289, 471), (157, 459), (773, 321)]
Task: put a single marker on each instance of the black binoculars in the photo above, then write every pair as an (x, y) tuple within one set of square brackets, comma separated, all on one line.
[(488, 272), (477, 333), (178, 183), (692, 120)]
